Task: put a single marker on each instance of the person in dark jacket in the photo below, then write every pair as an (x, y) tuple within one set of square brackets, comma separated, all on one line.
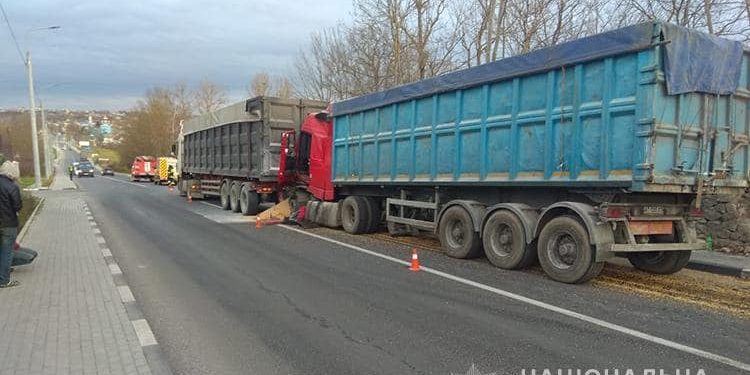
[(10, 204)]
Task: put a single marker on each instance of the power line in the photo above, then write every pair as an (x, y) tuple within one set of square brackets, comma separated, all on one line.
[(12, 34)]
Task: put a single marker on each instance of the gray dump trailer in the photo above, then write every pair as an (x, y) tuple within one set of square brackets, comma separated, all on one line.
[(233, 152)]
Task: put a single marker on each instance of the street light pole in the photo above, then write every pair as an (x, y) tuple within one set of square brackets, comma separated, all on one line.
[(32, 110), (45, 141)]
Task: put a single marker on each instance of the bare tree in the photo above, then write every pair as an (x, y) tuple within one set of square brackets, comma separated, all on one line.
[(209, 97), (392, 42), (284, 89), (260, 85)]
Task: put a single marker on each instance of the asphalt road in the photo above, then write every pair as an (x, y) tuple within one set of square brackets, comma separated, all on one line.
[(225, 298)]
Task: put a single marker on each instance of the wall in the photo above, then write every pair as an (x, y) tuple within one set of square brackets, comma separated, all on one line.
[(727, 220)]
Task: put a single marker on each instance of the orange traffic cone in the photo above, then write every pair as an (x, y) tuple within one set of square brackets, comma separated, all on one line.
[(258, 223), (414, 261)]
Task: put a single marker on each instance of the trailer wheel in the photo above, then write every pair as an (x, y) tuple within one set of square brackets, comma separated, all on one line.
[(355, 215), (504, 241), (224, 195), (249, 200), (234, 197), (565, 253), (661, 262), (376, 213), (457, 235)]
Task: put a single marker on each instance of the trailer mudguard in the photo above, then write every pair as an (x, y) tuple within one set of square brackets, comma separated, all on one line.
[(600, 233), (528, 215), (475, 209)]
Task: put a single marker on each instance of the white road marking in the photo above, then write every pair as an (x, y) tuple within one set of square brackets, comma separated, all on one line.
[(546, 306), (126, 182), (106, 252), (115, 269), (209, 204), (96, 230), (100, 240), (143, 331), (125, 294)]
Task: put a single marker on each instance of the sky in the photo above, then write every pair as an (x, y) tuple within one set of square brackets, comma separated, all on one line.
[(107, 53)]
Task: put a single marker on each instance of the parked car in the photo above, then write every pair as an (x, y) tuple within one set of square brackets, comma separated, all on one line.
[(107, 171)]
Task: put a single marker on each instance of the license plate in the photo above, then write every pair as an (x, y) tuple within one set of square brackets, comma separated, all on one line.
[(653, 210)]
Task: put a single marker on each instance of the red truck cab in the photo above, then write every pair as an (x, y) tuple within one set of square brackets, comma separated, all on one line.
[(306, 159), (143, 168)]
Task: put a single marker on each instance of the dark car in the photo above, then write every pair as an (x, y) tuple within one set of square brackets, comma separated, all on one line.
[(85, 169), (107, 171)]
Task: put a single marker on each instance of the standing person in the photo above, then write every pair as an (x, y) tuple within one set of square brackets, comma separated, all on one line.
[(70, 172), (10, 204)]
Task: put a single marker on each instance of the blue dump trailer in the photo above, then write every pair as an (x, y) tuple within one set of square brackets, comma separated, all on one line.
[(572, 154)]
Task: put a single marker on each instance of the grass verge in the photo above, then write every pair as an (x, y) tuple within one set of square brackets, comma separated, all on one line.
[(29, 204), (28, 181)]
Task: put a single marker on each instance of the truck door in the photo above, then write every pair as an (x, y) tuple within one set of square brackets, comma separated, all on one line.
[(303, 158)]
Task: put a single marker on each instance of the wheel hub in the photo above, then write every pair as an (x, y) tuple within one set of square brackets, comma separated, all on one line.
[(564, 251), (457, 233)]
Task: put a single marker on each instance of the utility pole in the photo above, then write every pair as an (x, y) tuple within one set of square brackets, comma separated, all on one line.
[(45, 142), (34, 136)]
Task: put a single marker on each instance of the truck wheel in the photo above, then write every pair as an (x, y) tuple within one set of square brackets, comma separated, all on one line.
[(504, 241), (565, 252), (457, 235), (249, 201), (355, 215), (182, 186), (376, 213), (661, 262), (224, 195), (234, 197)]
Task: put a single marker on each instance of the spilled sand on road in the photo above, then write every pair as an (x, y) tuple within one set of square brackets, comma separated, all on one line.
[(724, 294)]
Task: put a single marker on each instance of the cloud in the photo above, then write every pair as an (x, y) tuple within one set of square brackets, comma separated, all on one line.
[(109, 52)]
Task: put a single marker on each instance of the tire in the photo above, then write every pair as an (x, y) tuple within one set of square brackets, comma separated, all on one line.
[(504, 240), (355, 215), (457, 235), (224, 195), (234, 196), (660, 262), (249, 200), (376, 213), (565, 253)]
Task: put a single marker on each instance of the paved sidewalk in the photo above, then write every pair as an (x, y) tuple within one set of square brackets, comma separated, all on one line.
[(67, 316)]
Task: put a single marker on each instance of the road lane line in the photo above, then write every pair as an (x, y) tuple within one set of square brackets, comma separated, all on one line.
[(106, 252), (562, 311), (125, 182), (143, 331), (126, 295)]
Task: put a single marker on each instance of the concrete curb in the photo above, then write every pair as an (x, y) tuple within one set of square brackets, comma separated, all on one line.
[(28, 223), (719, 269)]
